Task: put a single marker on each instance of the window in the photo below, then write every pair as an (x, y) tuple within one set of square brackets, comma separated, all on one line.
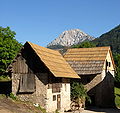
[(56, 85), (106, 63), (65, 87), (54, 97), (109, 64)]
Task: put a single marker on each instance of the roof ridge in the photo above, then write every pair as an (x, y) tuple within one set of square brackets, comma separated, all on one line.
[(42, 47), (92, 47)]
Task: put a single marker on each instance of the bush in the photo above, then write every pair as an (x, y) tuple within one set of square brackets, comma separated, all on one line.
[(4, 78), (12, 96), (79, 93), (117, 97)]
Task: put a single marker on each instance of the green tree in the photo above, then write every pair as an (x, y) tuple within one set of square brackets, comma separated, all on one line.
[(117, 62), (79, 93), (8, 47), (85, 44)]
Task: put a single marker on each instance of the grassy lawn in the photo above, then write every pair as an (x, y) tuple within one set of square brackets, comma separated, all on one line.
[(117, 97)]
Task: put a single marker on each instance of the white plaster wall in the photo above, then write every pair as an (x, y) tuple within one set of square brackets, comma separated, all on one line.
[(51, 105), (110, 69), (109, 59), (65, 97), (104, 73)]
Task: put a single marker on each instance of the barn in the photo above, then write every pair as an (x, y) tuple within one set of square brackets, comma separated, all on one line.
[(96, 68), (41, 75)]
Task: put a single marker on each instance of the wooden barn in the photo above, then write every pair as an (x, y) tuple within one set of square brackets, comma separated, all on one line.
[(41, 75), (96, 68)]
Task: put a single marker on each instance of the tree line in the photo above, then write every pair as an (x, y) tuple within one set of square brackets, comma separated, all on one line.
[(9, 47)]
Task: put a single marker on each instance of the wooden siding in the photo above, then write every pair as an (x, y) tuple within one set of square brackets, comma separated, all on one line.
[(19, 65)]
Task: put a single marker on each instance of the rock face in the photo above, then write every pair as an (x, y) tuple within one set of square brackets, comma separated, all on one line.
[(69, 38)]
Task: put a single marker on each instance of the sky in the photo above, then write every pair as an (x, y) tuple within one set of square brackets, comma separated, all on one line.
[(41, 21)]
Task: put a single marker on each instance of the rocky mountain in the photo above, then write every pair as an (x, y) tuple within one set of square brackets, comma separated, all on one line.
[(69, 38), (111, 38)]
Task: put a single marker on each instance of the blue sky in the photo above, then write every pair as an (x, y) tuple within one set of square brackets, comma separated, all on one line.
[(41, 21)]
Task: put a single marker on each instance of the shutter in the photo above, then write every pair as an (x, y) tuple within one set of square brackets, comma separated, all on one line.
[(27, 83), (30, 83)]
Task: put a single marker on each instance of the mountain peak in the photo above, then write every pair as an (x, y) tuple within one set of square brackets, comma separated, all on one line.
[(69, 38)]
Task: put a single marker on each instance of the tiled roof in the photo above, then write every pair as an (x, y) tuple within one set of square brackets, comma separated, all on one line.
[(54, 61), (87, 60)]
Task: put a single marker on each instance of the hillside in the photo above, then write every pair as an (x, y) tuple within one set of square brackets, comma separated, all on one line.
[(69, 38), (111, 38)]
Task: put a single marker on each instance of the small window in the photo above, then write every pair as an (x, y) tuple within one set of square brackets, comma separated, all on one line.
[(65, 87), (54, 97), (109, 64), (106, 63), (56, 87)]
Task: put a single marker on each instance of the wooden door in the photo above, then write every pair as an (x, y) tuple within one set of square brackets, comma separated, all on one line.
[(58, 102)]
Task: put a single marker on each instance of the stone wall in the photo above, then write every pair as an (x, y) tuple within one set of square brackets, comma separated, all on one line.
[(39, 96), (43, 95), (103, 93), (96, 79), (106, 90)]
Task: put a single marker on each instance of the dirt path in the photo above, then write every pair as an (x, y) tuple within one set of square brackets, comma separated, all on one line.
[(9, 106)]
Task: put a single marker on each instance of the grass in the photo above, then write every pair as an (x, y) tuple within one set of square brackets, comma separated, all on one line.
[(117, 97), (42, 109), (4, 78), (12, 96), (2, 96)]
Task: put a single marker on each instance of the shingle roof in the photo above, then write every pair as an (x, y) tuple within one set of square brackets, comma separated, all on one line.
[(54, 61), (87, 60)]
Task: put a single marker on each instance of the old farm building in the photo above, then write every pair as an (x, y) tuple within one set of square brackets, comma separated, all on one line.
[(41, 75), (95, 66)]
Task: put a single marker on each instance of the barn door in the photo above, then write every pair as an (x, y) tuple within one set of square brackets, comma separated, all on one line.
[(58, 102), (27, 83)]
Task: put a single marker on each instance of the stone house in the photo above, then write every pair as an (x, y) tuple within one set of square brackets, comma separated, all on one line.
[(42, 75), (96, 68)]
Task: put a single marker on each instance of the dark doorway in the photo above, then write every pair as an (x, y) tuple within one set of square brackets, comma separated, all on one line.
[(58, 102), (5, 87)]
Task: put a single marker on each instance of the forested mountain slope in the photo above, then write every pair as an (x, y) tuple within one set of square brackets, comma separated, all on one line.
[(111, 38)]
